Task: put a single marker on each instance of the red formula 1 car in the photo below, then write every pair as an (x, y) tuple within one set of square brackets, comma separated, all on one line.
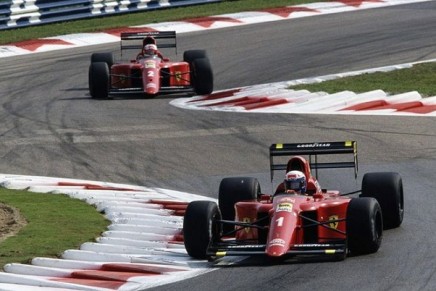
[(283, 224), (150, 74)]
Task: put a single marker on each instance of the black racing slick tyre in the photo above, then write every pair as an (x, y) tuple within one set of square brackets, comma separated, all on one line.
[(387, 188), (200, 227), (202, 76), (99, 80), (191, 55), (107, 58), (364, 226), (233, 190), (201, 71)]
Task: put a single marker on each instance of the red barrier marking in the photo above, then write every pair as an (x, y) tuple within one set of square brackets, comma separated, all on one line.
[(424, 109), (357, 3), (175, 206), (108, 275), (178, 208), (218, 95), (251, 100), (228, 102), (366, 105), (210, 20), (399, 106), (168, 202), (179, 213), (93, 186), (286, 11), (412, 106), (177, 238), (33, 45), (266, 104)]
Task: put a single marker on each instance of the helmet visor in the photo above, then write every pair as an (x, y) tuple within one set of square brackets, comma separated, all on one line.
[(296, 181), (295, 185)]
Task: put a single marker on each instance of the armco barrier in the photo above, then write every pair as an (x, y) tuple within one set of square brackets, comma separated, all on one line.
[(22, 13)]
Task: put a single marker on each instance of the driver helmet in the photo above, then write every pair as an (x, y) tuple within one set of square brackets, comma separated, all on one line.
[(150, 49), (295, 181)]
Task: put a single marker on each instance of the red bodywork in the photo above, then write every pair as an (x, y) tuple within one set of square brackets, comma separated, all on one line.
[(301, 219), (293, 224), (287, 228), (151, 76)]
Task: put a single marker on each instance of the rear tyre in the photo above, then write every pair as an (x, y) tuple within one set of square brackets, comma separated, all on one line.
[(200, 227), (232, 190), (364, 226), (99, 80), (202, 76), (387, 188), (107, 58)]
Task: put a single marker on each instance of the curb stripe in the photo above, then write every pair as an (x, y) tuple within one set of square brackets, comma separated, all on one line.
[(277, 98), (143, 247)]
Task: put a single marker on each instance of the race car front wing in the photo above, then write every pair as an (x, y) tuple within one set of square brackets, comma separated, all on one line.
[(319, 249), (163, 90)]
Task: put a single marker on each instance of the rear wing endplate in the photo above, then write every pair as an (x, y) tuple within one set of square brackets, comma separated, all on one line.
[(133, 40), (313, 150)]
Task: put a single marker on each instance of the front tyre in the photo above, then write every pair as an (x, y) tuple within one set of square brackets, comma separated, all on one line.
[(191, 55), (200, 227), (98, 77), (387, 188), (202, 76), (107, 58), (364, 226)]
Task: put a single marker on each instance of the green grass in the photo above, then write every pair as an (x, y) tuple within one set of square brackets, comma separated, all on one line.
[(420, 77), (55, 223)]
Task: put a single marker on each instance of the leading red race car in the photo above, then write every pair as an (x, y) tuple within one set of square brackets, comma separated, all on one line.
[(150, 74), (286, 223)]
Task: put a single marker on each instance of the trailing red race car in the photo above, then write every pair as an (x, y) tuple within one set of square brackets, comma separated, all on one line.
[(300, 218), (150, 74)]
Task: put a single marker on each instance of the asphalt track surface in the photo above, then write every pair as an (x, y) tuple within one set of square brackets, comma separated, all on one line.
[(51, 127)]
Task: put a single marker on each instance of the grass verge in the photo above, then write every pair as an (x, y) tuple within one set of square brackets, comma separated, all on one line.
[(55, 223), (421, 78)]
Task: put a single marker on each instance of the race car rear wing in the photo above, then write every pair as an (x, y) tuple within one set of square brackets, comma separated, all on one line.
[(313, 150), (133, 40)]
